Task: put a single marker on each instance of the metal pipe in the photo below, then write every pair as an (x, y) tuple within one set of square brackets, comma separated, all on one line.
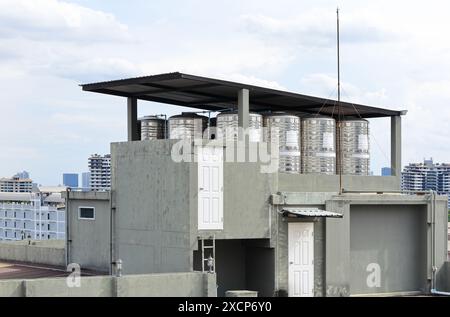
[(67, 227), (111, 235), (433, 250), (386, 191), (436, 292)]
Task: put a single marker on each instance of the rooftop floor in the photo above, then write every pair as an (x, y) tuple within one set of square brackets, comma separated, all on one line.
[(19, 271)]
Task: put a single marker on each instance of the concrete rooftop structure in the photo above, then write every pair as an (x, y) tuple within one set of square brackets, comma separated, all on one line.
[(275, 233)]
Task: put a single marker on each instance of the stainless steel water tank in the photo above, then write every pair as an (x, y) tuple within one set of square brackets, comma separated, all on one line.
[(285, 129), (188, 125), (152, 128), (355, 147), (318, 145), (227, 126)]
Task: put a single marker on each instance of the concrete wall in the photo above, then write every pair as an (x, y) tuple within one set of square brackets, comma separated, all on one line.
[(193, 284), (11, 288), (167, 285), (151, 199), (156, 206), (97, 286), (89, 240), (246, 199), (330, 183), (50, 252), (391, 230), (393, 237), (443, 278)]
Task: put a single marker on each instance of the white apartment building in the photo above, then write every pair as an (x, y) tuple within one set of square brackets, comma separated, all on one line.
[(427, 176), (16, 184), (100, 172), (35, 216)]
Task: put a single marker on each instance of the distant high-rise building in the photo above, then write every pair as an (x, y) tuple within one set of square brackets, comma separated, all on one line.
[(16, 184), (85, 179), (70, 180), (427, 176), (386, 171), (23, 175), (100, 169)]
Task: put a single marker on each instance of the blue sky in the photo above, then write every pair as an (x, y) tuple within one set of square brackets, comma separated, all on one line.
[(394, 54)]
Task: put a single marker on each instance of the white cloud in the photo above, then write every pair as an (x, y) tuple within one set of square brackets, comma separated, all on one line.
[(325, 85), (316, 28), (57, 20), (394, 55)]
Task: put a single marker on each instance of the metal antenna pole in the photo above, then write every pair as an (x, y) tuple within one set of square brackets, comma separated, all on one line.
[(339, 125)]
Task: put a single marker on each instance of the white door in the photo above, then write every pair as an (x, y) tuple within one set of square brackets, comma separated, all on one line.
[(210, 188), (301, 259)]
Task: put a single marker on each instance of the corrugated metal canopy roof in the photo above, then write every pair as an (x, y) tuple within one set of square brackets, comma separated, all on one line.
[(310, 212), (216, 95)]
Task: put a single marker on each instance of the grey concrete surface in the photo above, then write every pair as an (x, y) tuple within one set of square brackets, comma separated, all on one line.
[(97, 286), (443, 278), (11, 289), (394, 238), (330, 183), (163, 285), (151, 199), (190, 284), (50, 252), (399, 226), (88, 241)]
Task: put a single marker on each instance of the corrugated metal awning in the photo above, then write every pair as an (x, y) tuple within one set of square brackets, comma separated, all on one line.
[(309, 212), (218, 95)]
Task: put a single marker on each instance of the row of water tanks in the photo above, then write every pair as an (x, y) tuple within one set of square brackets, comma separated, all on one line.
[(306, 145)]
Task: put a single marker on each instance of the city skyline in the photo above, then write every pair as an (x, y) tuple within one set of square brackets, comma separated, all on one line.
[(390, 59)]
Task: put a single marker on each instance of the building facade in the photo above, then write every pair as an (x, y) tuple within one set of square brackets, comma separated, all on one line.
[(35, 216), (85, 180), (23, 175), (70, 180), (16, 184), (100, 172), (386, 171), (427, 176), (259, 229)]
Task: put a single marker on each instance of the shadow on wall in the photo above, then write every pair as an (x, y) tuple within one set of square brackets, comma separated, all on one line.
[(242, 265), (443, 278)]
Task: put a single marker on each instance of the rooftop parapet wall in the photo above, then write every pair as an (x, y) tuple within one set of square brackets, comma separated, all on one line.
[(50, 252), (189, 284), (330, 183)]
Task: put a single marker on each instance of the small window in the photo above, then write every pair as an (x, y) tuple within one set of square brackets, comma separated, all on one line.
[(86, 213)]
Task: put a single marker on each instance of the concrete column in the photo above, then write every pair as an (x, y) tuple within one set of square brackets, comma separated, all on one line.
[(396, 145), (243, 111), (337, 250), (132, 119)]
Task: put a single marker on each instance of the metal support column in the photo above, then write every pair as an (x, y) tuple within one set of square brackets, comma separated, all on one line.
[(132, 119), (243, 111), (396, 145)]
